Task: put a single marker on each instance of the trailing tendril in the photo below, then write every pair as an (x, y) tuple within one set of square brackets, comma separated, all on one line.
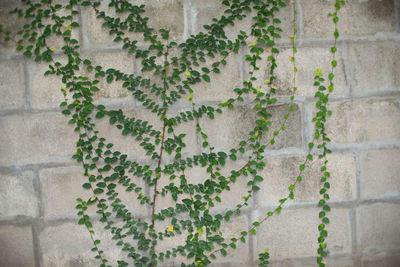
[(175, 71)]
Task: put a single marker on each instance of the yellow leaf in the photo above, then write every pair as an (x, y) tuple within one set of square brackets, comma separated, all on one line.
[(53, 48), (253, 43), (93, 198), (188, 73), (170, 229), (190, 97), (318, 72), (200, 231)]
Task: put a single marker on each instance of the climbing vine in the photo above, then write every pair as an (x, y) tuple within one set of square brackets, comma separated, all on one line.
[(176, 78)]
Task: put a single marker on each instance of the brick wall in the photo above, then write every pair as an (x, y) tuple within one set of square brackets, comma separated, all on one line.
[(39, 181)]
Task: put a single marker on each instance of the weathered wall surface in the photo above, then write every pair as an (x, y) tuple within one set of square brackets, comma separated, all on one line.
[(39, 181)]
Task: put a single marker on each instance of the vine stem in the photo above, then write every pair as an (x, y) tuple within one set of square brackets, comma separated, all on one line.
[(158, 169), (155, 183)]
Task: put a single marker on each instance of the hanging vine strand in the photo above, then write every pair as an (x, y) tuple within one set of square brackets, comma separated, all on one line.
[(175, 77)]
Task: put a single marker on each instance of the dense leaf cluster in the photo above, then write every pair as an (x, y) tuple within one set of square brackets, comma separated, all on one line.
[(174, 77)]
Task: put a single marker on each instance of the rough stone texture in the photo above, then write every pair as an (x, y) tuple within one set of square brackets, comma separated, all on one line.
[(372, 17), (202, 13), (298, 235), (387, 259), (17, 195), (16, 246), (281, 172), (380, 174), (60, 188), (165, 14), (39, 181), (117, 60), (48, 87), (222, 85), (12, 88), (69, 244), (375, 233), (66, 244), (12, 23), (35, 138), (308, 59), (229, 128), (45, 90), (364, 120), (379, 59), (334, 261)]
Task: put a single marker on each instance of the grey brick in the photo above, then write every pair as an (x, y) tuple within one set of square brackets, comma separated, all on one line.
[(379, 173), (229, 128), (18, 196), (203, 12), (166, 14), (377, 227), (308, 60), (385, 258), (12, 88), (281, 172), (45, 90), (35, 138), (375, 67), (298, 233), (372, 17), (16, 246), (364, 120)]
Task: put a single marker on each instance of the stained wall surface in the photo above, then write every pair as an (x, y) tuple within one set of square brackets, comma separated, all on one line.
[(39, 181)]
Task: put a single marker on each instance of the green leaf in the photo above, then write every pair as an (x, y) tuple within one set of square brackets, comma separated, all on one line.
[(98, 191), (223, 252), (206, 77), (258, 178), (101, 184), (206, 70), (111, 186), (110, 78), (86, 186)]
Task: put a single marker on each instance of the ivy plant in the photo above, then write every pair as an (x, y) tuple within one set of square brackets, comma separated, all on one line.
[(175, 78)]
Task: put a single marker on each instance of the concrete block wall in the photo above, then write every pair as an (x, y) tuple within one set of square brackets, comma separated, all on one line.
[(39, 181)]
